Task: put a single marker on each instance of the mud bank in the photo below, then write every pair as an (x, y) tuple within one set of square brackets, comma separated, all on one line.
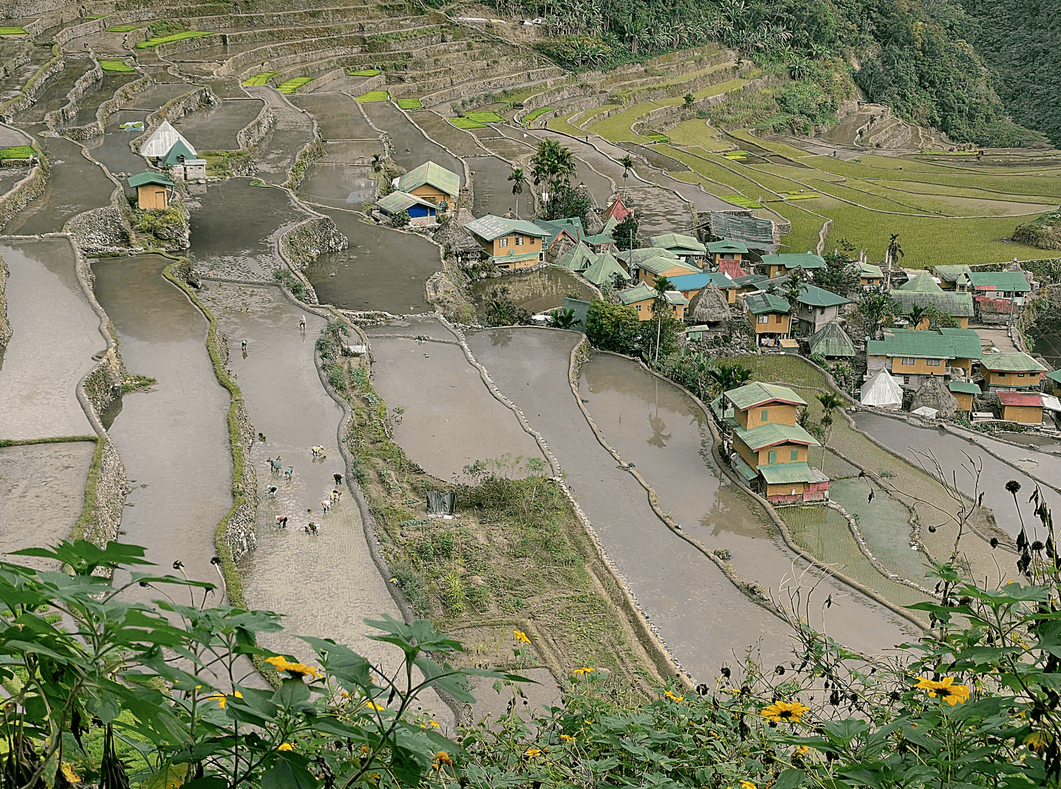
[(54, 333)]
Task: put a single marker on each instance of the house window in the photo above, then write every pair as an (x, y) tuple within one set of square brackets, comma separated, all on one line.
[(933, 362), (1001, 375), (519, 241), (906, 380), (764, 416), (793, 455), (772, 456), (907, 360), (764, 319), (503, 242), (777, 319), (1021, 375)]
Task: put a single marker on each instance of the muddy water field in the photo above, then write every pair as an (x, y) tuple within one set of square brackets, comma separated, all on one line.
[(172, 432)]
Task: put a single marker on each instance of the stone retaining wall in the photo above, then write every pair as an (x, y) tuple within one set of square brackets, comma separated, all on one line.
[(255, 131), (100, 231), (304, 243), (277, 56), (175, 109), (85, 84), (664, 118), (24, 191), (5, 324), (492, 85), (35, 85), (68, 34), (313, 150)]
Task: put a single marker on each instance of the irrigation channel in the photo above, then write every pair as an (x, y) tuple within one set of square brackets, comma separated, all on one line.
[(502, 395)]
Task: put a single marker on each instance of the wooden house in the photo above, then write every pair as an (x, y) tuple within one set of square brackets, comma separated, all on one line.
[(152, 190), (616, 211), (510, 244), (786, 262), (1053, 380), (912, 355), (691, 284), (421, 212), (732, 269), (731, 253), (1024, 408), (641, 298), (816, 307), (869, 275), (948, 275), (922, 291), (1010, 371), (832, 342), (685, 248), (769, 316), (431, 182), (606, 271), (964, 392), (650, 269), (1009, 285)]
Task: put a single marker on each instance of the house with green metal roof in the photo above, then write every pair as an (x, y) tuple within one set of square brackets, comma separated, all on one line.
[(759, 394), (641, 297), (995, 293), (420, 211), (631, 257), (869, 275), (577, 259), (606, 271), (911, 355), (686, 248), (922, 291), (832, 342), (816, 307), (510, 244), (432, 182), (948, 275), (750, 282), (785, 262), (1010, 372), (769, 315), (727, 253), (964, 392), (151, 190), (650, 269), (691, 284)]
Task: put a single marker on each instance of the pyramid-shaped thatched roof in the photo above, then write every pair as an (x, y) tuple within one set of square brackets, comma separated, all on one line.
[(710, 306), (454, 233), (831, 340), (935, 394)]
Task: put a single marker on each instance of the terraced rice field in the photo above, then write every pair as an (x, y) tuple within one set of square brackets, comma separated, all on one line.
[(154, 42)]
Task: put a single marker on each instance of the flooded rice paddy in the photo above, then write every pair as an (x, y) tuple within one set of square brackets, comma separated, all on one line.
[(338, 116), (291, 132), (411, 147), (339, 185), (215, 128), (113, 150), (54, 333), (536, 292)]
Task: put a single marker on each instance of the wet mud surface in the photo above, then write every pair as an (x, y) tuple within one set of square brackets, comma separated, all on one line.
[(450, 419), (113, 150), (89, 105), (491, 189), (382, 269), (339, 116), (215, 128), (411, 147), (236, 228), (54, 333), (951, 450), (339, 185), (157, 95), (291, 132), (439, 129), (659, 429), (173, 437), (55, 95), (42, 489), (75, 185), (536, 292), (685, 596)]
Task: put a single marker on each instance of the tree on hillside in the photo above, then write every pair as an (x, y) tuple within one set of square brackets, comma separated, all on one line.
[(727, 376), (627, 163), (613, 327), (875, 309), (830, 402), (840, 275), (552, 164), (519, 180), (567, 201), (660, 308), (625, 233)]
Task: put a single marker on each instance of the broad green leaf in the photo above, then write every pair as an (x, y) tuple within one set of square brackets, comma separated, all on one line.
[(789, 779), (285, 775)]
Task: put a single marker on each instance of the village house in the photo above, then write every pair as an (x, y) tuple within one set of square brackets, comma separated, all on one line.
[(510, 244), (922, 291), (606, 271), (616, 211), (1009, 285), (650, 269), (732, 269), (152, 191), (641, 298), (815, 307), (183, 163), (691, 284), (728, 253), (771, 449), (159, 143), (948, 275), (686, 248), (750, 283), (579, 258), (769, 315), (787, 262), (420, 211), (964, 392), (431, 182), (911, 355), (832, 342), (564, 233), (1053, 382), (869, 275), (1010, 371), (1024, 408)]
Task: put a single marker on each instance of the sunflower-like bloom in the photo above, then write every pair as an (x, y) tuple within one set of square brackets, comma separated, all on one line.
[(296, 669), (944, 689), (747, 785), (441, 758), (69, 774), (530, 753), (673, 697), (784, 711), (285, 746), (521, 637), (584, 671)]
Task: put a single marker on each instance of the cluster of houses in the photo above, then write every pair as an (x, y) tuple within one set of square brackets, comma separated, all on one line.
[(165, 148)]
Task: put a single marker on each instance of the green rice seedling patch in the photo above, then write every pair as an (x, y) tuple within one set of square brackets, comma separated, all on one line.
[(658, 138), (116, 66), (17, 152), (736, 155), (365, 72), (154, 42), (12, 31), (530, 117), (801, 195), (373, 95), (467, 123), (618, 127), (410, 104), (563, 124), (742, 201), (484, 116), (291, 85), (698, 133), (124, 28), (261, 78)]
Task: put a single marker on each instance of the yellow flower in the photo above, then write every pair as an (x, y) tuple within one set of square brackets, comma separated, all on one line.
[(374, 706), (945, 689), (285, 746), (747, 785), (532, 752), (521, 637), (222, 699), (69, 774), (298, 669), (567, 738), (673, 697), (784, 711), (801, 750), (442, 758), (584, 671), (434, 723), (1036, 741)]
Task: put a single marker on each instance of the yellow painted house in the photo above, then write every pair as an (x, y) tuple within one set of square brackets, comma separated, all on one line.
[(911, 355), (1010, 371), (769, 314), (152, 191), (431, 182), (510, 244), (1024, 408), (641, 297)]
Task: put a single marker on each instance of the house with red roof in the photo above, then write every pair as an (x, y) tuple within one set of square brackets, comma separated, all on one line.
[(616, 210), (1024, 408)]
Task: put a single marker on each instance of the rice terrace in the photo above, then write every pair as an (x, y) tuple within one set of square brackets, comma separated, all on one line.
[(522, 394)]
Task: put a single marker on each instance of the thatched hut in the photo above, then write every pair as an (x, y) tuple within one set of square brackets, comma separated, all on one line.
[(934, 393), (456, 239), (710, 306)]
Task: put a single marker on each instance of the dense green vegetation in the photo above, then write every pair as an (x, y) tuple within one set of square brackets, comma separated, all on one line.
[(909, 56)]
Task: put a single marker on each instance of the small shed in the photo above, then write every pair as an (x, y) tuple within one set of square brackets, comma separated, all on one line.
[(421, 212), (1024, 408), (882, 391), (151, 190), (925, 412), (964, 392)]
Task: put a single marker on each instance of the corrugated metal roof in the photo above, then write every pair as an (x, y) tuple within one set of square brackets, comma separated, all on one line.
[(433, 174), (490, 227), (702, 280), (661, 265), (957, 305), (813, 296), (578, 258), (727, 246), (950, 273), (1055, 376), (756, 233), (792, 260), (759, 303), (925, 345), (396, 202), (831, 340), (922, 283), (732, 269), (1010, 362), (771, 434), (998, 280), (786, 473), (639, 292), (604, 269), (676, 241), (632, 256), (870, 271), (753, 394), (1020, 399), (162, 139), (149, 178), (963, 387)]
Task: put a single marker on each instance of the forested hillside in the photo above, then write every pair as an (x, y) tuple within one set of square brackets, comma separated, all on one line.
[(1020, 41), (909, 55)]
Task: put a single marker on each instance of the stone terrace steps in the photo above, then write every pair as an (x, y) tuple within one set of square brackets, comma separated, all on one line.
[(504, 80)]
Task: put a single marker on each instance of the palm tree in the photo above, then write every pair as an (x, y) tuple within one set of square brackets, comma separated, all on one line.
[(830, 402), (519, 180), (726, 376), (659, 305), (627, 163), (891, 256), (917, 314)]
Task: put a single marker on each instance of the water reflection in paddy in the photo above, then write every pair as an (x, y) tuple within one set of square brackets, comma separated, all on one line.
[(536, 292)]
